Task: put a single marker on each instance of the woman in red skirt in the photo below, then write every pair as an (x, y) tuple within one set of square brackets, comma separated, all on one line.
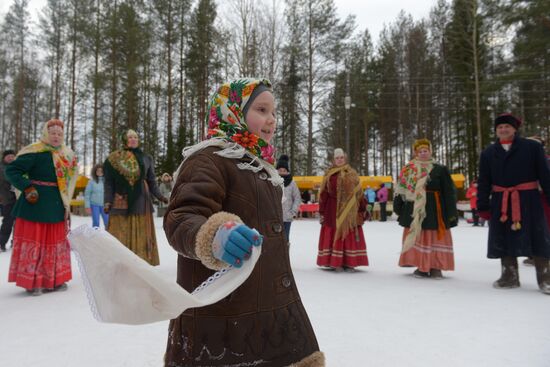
[(45, 173), (426, 205), (342, 208)]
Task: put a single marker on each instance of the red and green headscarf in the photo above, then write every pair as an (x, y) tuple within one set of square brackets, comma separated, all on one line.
[(226, 118)]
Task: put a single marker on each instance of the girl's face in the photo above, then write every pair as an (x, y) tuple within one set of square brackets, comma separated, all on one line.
[(261, 116), (55, 136), (99, 172), (340, 160), (133, 140), (423, 153), (505, 132)]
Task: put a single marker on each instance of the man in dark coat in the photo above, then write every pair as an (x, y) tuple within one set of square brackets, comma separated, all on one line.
[(7, 198), (510, 172)]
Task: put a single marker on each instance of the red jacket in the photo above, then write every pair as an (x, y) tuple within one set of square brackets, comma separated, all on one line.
[(472, 195)]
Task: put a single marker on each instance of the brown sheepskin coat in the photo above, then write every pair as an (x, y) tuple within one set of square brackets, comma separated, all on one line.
[(263, 322)]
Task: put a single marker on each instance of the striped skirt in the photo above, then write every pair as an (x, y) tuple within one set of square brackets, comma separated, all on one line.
[(429, 252), (348, 252)]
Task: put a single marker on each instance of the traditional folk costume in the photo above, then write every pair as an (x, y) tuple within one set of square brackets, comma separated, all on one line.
[(230, 176), (129, 183), (342, 207), (41, 253), (426, 206), (510, 173)]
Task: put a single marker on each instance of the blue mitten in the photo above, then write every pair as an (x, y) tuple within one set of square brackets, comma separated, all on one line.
[(233, 243)]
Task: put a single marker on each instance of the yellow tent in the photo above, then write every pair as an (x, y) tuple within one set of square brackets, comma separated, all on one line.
[(314, 182), (458, 179), (81, 182)]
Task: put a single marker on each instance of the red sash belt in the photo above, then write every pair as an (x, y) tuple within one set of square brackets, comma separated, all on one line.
[(515, 202), (44, 183)]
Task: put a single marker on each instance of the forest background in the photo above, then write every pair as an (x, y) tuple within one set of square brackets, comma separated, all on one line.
[(106, 65)]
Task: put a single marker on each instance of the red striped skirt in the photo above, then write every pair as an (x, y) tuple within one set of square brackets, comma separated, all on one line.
[(429, 252), (41, 256), (350, 251)]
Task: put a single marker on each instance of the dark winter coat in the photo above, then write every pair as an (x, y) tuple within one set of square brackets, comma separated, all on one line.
[(440, 180), (144, 202), (7, 196), (36, 166), (263, 322), (524, 162)]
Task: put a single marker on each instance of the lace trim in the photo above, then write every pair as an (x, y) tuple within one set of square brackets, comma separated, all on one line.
[(86, 231), (211, 279)]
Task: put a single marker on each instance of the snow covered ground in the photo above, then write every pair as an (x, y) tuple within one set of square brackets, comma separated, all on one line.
[(380, 316)]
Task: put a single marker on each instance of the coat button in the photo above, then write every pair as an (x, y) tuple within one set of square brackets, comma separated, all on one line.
[(277, 227), (286, 282), (263, 176)]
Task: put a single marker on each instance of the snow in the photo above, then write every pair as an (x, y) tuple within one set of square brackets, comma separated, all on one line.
[(380, 316)]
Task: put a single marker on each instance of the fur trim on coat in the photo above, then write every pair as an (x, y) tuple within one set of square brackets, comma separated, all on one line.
[(316, 359), (205, 238)]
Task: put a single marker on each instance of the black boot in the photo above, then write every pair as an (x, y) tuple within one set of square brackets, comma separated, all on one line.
[(510, 275), (543, 274), (3, 240)]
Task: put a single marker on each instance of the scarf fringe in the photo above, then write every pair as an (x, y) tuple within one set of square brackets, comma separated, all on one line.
[(233, 151)]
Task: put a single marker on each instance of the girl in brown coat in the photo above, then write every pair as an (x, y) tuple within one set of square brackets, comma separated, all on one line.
[(225, 187)]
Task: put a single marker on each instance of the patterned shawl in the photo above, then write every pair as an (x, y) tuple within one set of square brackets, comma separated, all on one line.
[(127, 169), (411, 185), (348, 196), (64, 161)]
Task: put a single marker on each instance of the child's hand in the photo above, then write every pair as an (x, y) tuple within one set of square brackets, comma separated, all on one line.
[(233, 243)]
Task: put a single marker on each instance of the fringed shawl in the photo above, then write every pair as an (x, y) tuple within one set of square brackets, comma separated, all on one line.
[(348, 196)]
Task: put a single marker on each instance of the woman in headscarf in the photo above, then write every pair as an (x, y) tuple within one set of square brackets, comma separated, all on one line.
[(165, 188), (426, 206), (227, 186), (342, 208), (45, 172), (129, 183)]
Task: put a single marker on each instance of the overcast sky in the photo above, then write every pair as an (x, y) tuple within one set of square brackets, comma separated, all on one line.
[(371, 14)]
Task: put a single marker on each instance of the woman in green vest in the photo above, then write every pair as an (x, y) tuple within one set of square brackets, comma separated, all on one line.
[(426, 205), (45, 172), (129, 183)]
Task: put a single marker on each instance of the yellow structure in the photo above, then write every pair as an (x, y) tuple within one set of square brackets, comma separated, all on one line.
[(81, 182), (458, 179), (314, 182)]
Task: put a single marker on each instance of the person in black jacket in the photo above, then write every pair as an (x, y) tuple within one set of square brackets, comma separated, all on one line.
[(7, 198), (510, 172)]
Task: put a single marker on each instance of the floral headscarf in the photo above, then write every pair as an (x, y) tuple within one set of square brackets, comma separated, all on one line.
[(64, 162), (226, 118), (228, 130)]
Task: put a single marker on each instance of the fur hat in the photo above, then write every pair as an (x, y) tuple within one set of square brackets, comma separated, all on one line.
[(422, 143), (8, 152), (339, 152), (283, 162), (507, 118)]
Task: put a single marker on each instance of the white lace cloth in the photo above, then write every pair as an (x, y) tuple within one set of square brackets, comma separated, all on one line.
[(124, 289)]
